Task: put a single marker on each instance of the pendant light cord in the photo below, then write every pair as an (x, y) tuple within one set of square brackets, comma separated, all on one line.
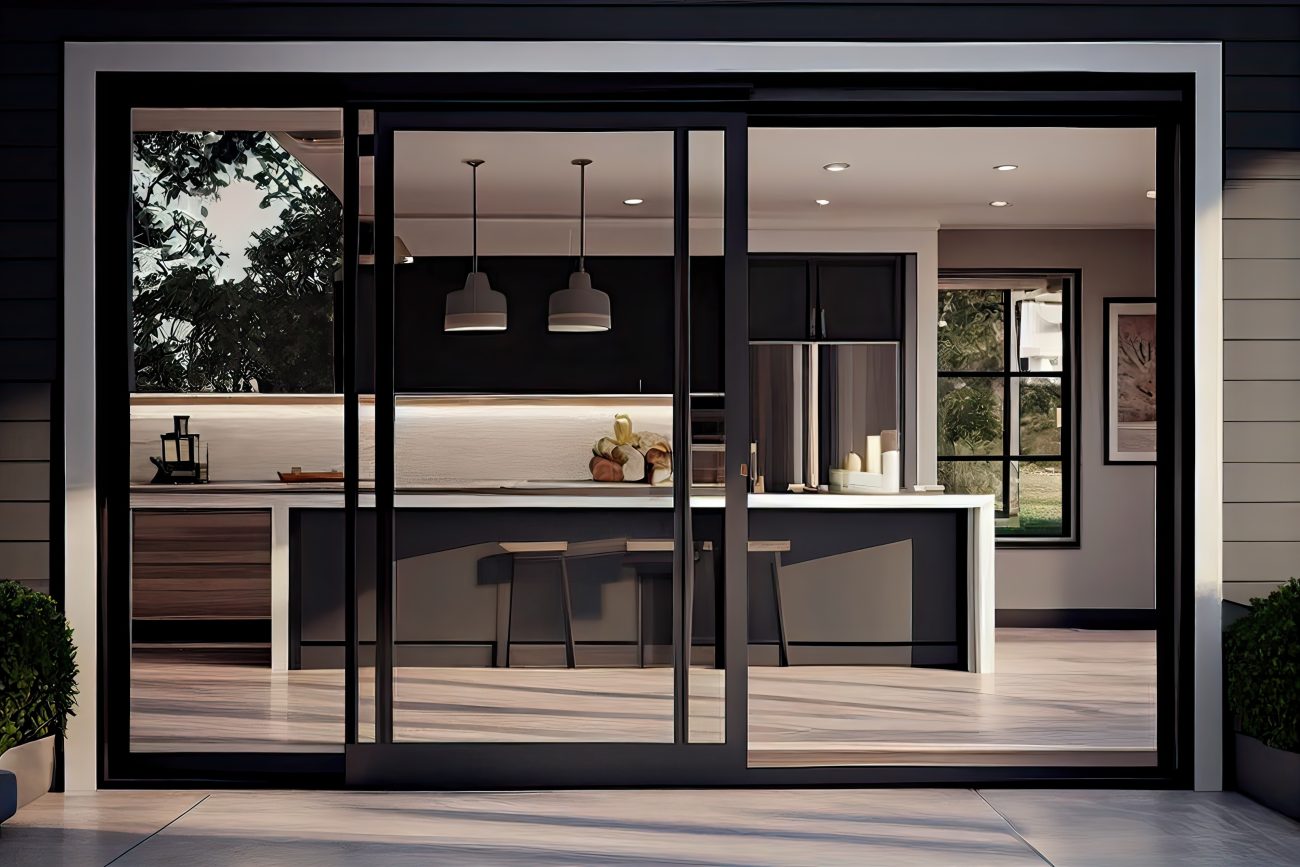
[(582, 212), (474, 164)]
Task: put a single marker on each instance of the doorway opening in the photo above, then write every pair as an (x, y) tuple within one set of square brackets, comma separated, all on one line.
[(705, 617)]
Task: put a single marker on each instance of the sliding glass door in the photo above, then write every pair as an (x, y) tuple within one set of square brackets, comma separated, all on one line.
[(555, 371)]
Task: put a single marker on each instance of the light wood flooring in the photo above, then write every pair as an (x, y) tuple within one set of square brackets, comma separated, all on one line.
[(1059, 697)]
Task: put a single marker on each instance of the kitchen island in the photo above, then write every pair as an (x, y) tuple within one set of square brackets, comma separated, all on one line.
[(903, 579)]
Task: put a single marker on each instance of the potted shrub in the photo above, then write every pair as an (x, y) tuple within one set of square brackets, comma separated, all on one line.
[(1262, 659), (38, 674)]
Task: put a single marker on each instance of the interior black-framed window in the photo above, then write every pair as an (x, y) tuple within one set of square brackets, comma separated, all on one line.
[(1008, 398)]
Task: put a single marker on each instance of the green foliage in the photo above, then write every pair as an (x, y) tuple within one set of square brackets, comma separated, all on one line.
[(270, 331), (1039, 400), (1040, 510), (970, 416), (972, 477), (1262, 656), (971, 335), (38, 666)]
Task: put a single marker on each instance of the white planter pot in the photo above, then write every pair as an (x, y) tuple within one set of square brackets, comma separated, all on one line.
[(33, 765)]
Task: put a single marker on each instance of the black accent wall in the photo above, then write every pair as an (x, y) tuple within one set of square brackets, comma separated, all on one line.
[(1262, 137)]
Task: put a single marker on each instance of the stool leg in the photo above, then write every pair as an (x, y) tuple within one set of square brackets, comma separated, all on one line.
[(640, 626), (510, 614), (783, 645), (567, 600)]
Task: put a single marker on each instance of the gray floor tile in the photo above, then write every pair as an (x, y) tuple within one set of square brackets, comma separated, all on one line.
[(1149, 829), (952, 828), (87, 829)]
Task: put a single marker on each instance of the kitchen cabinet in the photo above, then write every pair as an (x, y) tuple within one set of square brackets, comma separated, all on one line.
[(832, 297), (201, 565), (780, 299), (859, 299)]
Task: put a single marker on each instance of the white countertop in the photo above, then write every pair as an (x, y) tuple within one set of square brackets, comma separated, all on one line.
[(329, 495)]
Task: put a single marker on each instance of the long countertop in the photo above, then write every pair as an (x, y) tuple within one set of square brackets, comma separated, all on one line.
[(544, 495)]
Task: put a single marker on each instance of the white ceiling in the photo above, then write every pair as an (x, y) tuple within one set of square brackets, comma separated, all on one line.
[(900, 177), (1068, 177)]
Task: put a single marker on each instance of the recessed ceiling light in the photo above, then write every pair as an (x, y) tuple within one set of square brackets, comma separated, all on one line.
[(822, 201), (1006, 167), (835, 167), (633, 201), (1000, 204), (1151, 194)]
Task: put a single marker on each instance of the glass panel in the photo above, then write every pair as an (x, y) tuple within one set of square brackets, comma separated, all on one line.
[(706, 677), (1037, 499), (970, 416), (237, 239), (971, 325), (541, 367), (1039, 324), (1039, 405), (858, 386), (972, 477)]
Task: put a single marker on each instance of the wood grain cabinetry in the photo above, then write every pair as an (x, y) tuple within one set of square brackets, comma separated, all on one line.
[(201, 565)]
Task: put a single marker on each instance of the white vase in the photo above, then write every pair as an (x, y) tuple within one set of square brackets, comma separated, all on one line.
[(33, 765)]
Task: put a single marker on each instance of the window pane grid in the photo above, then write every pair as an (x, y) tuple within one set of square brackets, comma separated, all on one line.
[(1031, 487)]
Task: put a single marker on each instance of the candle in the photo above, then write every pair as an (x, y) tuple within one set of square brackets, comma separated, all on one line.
[(853, 463), (873, 454)]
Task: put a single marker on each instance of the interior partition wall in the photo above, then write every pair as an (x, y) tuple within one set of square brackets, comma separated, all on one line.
[(674, 106)]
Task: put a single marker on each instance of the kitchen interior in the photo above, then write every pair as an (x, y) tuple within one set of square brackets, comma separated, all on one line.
[(534, 451)]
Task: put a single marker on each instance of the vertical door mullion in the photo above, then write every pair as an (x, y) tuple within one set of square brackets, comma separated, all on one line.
[(351, 433), (384, 429), (1173, 754), (736, 429), (683, 546)]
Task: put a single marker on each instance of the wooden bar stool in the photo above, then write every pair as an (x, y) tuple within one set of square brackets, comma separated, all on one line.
[(553, 550)]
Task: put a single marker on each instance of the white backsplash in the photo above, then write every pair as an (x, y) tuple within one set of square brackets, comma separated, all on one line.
[(438, 440)]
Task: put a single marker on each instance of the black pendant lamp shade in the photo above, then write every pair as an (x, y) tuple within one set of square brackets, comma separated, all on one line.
[(580, 307), (477, 307)]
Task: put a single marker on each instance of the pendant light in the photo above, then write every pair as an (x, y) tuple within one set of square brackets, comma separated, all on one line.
[(580, 307), (477, 307)]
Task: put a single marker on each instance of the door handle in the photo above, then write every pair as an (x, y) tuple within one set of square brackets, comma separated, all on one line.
[(822, 311), (812, 322)]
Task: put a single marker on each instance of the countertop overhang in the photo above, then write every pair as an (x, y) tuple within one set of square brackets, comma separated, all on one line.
[(541, 495)]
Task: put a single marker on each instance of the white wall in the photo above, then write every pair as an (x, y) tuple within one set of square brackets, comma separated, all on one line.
[(1114, 566)]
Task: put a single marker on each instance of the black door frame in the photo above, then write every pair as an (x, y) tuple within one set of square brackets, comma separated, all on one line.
[(384, 762), (861, 100)]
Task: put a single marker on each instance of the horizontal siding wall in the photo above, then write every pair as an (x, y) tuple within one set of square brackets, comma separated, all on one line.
[(1261, 319), (29, 305)]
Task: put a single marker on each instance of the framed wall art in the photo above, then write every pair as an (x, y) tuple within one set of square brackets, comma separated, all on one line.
[(1130, 380)]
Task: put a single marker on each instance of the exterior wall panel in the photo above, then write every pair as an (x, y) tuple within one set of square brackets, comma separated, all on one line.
[(1261, 278)]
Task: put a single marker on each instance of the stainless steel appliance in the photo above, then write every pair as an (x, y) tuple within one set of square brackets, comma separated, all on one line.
[(811, 404)]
